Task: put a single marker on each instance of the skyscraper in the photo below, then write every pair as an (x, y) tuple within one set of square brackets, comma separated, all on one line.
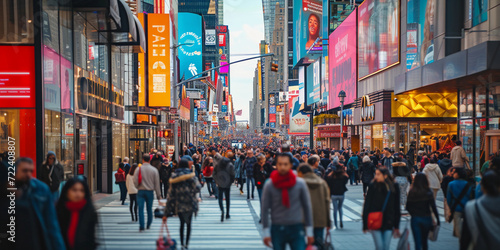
[(268, 8)]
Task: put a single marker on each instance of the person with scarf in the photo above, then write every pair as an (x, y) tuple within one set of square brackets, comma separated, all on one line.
[(52, 174), (286, 199), (182, 198), (77, 215)]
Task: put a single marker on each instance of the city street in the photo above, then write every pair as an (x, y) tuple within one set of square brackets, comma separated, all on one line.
[(243, 230)]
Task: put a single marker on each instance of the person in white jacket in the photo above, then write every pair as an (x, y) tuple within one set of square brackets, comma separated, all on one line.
[(434, 175), (132, 191)]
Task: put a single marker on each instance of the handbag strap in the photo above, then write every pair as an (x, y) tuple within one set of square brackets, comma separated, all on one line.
[(386, 198), (480, 223), (163, 228)]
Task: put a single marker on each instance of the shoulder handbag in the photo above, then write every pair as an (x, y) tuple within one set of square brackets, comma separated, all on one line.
[(375, 219), (328, 245), (165, 242), (404, 243), (456, 201), (433, 235)]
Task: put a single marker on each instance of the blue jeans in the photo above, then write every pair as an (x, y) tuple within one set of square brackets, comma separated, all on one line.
[(252, 180), (293, 235), (420, 226), (338, 201), (352, 176), (148, 197), (382, 239), (123, 191), (319, 238), (212, 188)]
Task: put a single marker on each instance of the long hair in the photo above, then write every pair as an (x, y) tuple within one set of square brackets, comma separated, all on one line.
[(389, 180), (419, 188), (132, 169), (206, 162), (61, 204)]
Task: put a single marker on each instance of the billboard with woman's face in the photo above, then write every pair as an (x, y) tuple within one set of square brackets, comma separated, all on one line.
[(421, 18), (307, 27), (378, 36)]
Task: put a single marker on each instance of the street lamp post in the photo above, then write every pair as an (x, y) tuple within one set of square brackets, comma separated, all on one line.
[(342, 95)]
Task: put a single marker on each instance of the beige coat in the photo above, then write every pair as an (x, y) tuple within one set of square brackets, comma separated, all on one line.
[(434, 175), (458, 157), (320, 200)]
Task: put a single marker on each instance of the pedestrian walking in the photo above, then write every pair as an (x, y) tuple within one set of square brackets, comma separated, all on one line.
[(260, 174), (165, 173), (458, 156), (367, 172), (337, 183), (52, 174), (248, 165), (147, 182), (242, 173), (401, 173), (421, 205), (482, 217), (382, 196), (38, 227), (224, 177), (77, 215), (286, 200), (208, 169), (126, 165), (120, 180), (458, 194), (182, 199), (434, 175), (445, 164), (387, 159), (314, 161), (320, 201), (352, 168), (132, 192)]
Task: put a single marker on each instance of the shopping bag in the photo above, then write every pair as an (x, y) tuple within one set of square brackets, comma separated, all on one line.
[(165, 242), (433, 235), (404, 243), (328, 245)]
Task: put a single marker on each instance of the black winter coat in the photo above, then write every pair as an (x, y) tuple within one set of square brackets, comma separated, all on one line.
[(57, 175), (374, 201), (367, 172), (85, 237)]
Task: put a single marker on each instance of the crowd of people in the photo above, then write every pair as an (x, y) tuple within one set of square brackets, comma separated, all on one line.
[(295, 187)]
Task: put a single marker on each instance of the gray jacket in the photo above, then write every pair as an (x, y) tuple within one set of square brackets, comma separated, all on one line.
[(224, 173)]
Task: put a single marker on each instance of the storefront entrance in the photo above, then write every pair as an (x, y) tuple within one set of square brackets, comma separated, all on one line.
[(95, 156), (493, 142)]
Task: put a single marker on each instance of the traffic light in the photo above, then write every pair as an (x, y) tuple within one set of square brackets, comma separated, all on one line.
[(248, 127), (274, 67)]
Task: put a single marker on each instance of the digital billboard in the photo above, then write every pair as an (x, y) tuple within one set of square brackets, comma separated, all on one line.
[(141, 68), (378, 36), (299, 121), (17, 77), (479, 11), (210, 37), (159, 60), (342, 62), (420, 24), (307, 27), (313, 83), (190, 53)]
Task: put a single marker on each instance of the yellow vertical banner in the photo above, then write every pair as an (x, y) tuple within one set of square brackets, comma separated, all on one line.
[(259, 79), (158, 60), (141, 70)]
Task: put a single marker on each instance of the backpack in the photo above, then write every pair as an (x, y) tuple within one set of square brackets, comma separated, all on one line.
[(207, 171), (119, 177)]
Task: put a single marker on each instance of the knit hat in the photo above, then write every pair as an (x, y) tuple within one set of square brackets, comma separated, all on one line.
[(51, 153), (366, 159), (187, 158)]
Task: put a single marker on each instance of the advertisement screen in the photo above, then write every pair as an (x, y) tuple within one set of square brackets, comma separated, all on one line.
[(313, 83), (190, 54), (17, 77), (141, 65), (307, 27), (420, 36), (342, 62), (479, 11), (210, 37), (378, 36), (301, 85), (159, 60), (299, 121)]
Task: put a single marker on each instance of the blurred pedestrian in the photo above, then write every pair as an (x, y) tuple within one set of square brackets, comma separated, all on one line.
[(434, 175), (120, 180), (182, 198), (367, 172), (401, 173), (224, 177), (286, 200), (147, 181), (352, 168), (458, 156), (52, 174), (320, 201), (165, 173), (337, 183), (132, 192), (383, 196), (38, 227), (458, 194), (248, 165), (420, 199), (77, 215), (126, 165), (208, 169)]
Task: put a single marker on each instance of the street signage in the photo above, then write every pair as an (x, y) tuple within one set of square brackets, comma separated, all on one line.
[(173, 111)]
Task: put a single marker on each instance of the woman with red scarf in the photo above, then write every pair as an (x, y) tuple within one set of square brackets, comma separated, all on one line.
[(77, 215)]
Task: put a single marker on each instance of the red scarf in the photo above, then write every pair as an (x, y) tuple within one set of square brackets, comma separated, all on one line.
[(74, 208), (284, 182)]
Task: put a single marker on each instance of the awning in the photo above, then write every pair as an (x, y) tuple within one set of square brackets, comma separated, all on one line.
[(95, 5), (142, 38), (128, 29)]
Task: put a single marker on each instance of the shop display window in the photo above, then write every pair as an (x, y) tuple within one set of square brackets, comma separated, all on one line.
[(466, 104), (67, 156), (480, 102), (466, 135), (480, 143), (20, 126), (16, 22), (494, 100), (493, 123), (389, 132), (367, 137)]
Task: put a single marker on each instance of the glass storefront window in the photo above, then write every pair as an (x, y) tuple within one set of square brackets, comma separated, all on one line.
[(480, 102), (389, 132), (367, 137), (120, 144), (67, 144), (493, 123), (466, 135), (377, 137), (480, 144), (494, 100), (52, 138), (466, 104), (19, 125), (16, 21)]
